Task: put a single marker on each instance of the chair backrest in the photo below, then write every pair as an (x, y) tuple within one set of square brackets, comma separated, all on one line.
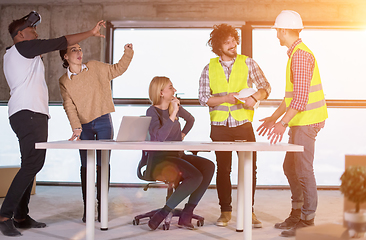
[(143, 163), (141, 172), (144, 173)]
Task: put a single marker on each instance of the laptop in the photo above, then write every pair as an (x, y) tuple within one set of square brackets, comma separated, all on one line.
[(133, 129)]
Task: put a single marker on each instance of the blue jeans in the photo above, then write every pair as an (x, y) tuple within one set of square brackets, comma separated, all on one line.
[(298, 168), (99, 128)]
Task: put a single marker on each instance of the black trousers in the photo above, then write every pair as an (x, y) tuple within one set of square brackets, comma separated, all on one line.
[(224, 160), (30, 128)]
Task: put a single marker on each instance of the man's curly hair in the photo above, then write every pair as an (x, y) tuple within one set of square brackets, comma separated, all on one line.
[(219, 34)]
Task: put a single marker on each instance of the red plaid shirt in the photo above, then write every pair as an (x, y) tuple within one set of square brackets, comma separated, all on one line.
[(302, 67)]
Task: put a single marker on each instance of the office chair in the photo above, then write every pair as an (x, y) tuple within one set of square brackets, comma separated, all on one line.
[(170, 188)]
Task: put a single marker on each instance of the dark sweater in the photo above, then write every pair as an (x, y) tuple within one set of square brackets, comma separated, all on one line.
[(162, 128)]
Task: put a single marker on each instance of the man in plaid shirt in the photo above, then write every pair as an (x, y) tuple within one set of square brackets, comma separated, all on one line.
[(221, 80), (304, 110)]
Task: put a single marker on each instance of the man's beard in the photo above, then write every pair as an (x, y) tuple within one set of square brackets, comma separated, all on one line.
[(230, 54)]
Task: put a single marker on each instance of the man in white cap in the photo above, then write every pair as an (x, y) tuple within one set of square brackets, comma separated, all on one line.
[(304, 110)]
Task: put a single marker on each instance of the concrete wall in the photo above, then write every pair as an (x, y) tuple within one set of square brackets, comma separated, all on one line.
[(61, 17)]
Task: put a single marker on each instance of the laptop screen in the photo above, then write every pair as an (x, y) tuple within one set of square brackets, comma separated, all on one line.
[(133, 129)]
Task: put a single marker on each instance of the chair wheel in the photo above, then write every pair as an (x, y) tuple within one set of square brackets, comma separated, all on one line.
[(200, 223), (136, 222)]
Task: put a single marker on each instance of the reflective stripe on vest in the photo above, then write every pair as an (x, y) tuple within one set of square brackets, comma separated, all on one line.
[(316, 108), (221, 87)]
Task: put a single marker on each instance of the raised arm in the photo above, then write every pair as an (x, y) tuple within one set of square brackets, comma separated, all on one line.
[(119, 68), (78, 37)]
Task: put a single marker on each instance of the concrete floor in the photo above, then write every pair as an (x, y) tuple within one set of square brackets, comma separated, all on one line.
[(61, 208)]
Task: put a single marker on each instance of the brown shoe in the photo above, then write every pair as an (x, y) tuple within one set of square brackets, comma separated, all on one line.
[(290, 221), (223, 219), (255, 222), (300, 224)]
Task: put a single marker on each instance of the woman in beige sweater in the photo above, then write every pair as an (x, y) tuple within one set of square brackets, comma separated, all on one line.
[(87, 100)]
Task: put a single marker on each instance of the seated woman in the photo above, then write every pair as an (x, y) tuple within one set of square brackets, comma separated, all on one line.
[(194, 172), (87, 100)]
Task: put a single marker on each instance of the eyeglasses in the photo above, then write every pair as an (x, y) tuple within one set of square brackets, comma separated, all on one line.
[(32, 20)]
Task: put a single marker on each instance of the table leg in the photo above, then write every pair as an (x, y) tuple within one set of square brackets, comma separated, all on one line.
[(104, 190), (90, 194), (244, 209)]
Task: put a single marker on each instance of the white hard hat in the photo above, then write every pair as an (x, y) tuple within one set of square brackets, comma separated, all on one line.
[(288, 19)]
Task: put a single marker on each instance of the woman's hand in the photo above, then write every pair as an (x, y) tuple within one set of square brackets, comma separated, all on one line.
[(96, 29), (76, 134), (175, 103), (128, 46), (183, 135)]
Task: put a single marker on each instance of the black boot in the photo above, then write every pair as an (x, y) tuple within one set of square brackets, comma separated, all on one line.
[(158, 217), (8, 229), (99, 177), (186, 216), (299, 224), (29, 223), (291, 221), (83, 189)]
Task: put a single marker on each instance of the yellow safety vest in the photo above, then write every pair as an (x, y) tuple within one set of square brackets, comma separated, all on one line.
[(221, 87), (316, 108)]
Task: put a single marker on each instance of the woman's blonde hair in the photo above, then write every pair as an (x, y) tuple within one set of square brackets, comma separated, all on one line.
[(157, 84)]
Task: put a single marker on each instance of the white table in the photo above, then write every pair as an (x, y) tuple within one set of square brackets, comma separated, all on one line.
[(245, 168)]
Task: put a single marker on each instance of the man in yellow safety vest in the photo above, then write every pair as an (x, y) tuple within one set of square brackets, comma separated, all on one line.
[(220, 83), (304, 110)]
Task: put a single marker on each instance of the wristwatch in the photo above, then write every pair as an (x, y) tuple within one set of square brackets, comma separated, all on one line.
[(253, 98), (284, 124)]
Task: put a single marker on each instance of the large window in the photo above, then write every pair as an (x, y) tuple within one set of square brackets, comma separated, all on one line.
[(178, 53), (339, 53)]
